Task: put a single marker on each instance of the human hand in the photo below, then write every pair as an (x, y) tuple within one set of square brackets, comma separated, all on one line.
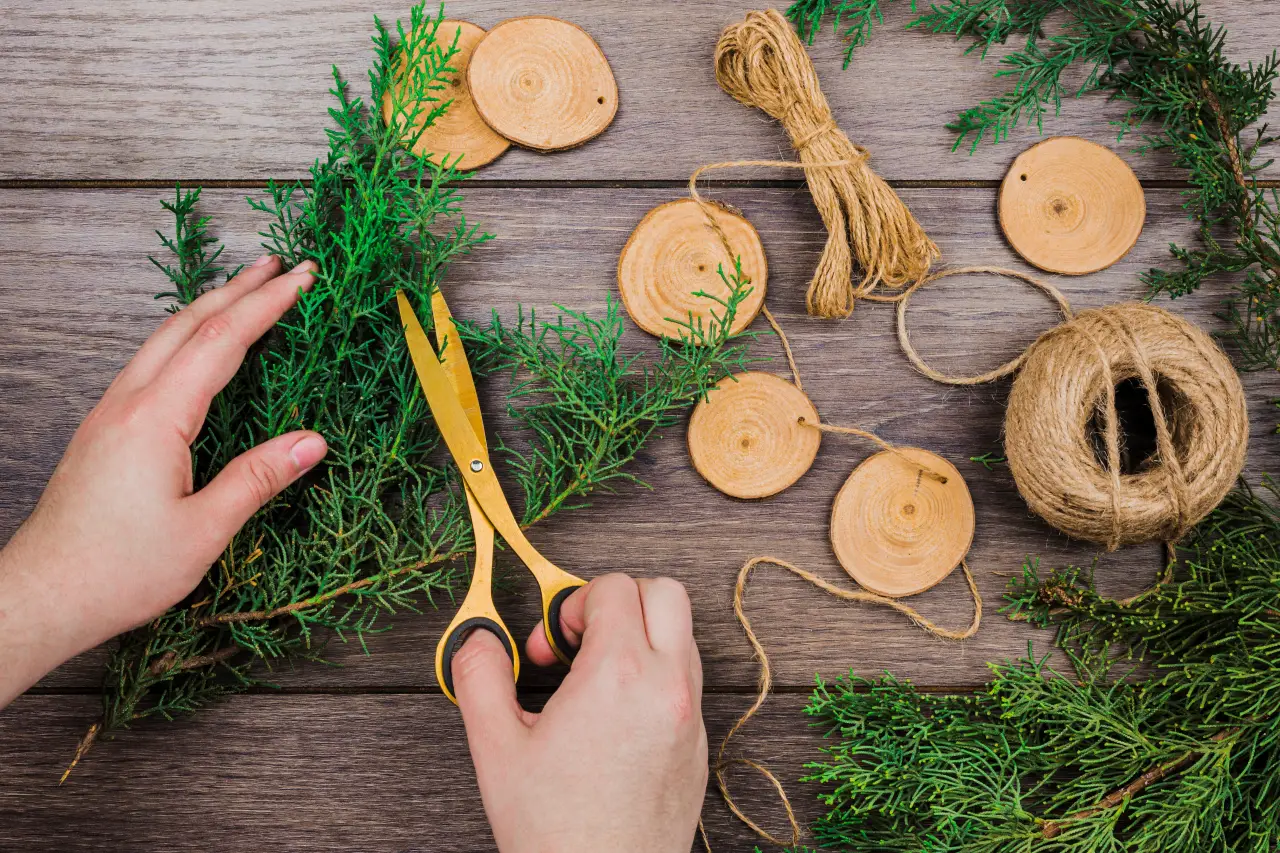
[(119, 536), (617, 760)]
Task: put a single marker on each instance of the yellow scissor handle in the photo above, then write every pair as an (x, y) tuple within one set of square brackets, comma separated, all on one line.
[(556, 587), (477, 612)]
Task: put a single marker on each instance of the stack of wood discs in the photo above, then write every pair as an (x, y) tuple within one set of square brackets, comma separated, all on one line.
[(537, 82)]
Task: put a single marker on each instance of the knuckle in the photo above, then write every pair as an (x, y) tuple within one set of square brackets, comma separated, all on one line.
[(262, 480), (671, 591), (215, 328), (679, 703)]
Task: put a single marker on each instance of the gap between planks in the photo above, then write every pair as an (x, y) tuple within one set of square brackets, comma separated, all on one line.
[(483, 183)]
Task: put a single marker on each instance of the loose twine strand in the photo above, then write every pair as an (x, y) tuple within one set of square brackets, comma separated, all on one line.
[(765, 683), (761, 63)]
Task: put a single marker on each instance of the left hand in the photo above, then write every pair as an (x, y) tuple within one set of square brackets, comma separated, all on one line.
[(119, 536)]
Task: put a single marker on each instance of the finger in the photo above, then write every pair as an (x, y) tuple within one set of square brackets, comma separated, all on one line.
[(612, 615), (486, 695), (250, 480), (668, 616), (572, 624), (695, 668), (206, 362), (178, 329)]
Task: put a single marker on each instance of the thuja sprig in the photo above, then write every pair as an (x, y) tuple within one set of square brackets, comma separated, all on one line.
[(380, 526), (1185, 759), (852, 20)]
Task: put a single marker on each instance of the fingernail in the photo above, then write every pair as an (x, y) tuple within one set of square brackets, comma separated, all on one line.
[(305, 266), (264, 260), (308, 451)]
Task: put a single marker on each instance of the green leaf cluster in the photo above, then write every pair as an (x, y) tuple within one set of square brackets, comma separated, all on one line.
[(1166, 62), (381, 525), (1164, 736)]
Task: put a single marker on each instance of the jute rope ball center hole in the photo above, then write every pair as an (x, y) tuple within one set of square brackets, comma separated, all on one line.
[(674, 254), (898, 532), (746, 438), (460, 132), (541, 82)]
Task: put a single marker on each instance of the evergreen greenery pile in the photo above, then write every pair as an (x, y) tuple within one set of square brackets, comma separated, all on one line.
[(381, 525), (1184, 758), (1166, 63)]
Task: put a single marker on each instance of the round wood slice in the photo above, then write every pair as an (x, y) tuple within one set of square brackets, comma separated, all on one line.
[(896, 531), (543, 83), (674, 253), (1071, 206), (746, 439), (460, 132)]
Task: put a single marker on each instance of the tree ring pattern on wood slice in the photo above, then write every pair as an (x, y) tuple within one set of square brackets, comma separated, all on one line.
[(896, 531), (460, 132), (674, 253), (543, 83), (746, 438), (1071, 206)]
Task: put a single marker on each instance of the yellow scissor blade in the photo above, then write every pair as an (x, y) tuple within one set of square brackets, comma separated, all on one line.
[(455, 362), (452, 419)]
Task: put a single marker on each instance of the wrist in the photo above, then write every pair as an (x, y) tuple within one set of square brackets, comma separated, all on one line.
[(42, 623)]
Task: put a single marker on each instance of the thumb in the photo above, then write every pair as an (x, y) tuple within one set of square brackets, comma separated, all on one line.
[(486, 695), (254, 477)]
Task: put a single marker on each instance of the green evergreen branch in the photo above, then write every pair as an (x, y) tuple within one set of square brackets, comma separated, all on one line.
[(381, 525), (1167, 64), (856, 16), (1185, 759)]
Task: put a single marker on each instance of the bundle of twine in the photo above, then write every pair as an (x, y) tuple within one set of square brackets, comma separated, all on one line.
[(762, 63)]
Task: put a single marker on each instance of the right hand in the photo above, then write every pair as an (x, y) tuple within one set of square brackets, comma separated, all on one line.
[(617, 760)]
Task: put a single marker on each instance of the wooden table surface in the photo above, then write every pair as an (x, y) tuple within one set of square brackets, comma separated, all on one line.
[(105, 105)]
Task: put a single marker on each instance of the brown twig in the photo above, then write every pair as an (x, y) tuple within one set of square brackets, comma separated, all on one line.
[(169, 660), (82, 749), (1054, 828)]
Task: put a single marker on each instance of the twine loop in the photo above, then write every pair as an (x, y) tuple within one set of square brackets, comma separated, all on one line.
[(761, 63)]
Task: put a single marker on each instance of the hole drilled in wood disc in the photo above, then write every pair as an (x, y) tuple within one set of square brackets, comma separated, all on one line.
[(897, 531), (1071, 206), (746, 438), (674, 253), (543, 83), (460, 132)]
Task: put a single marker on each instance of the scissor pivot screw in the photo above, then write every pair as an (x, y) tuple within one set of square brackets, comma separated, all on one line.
[(477, 465)]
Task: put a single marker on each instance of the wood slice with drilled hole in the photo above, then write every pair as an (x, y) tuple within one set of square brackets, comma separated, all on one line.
[(746, 438), (543, 83), (896, 531), (674, 253), (1071, 206), (460, 134)]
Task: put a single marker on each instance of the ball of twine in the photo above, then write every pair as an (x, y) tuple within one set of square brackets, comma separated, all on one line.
[(1067, 383), (761, 62)]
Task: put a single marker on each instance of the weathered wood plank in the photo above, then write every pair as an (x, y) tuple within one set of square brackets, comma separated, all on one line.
[(141, 89), (74, 303), (309, 773)]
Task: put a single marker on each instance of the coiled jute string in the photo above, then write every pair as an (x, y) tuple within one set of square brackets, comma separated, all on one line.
[(1065, 389), (762, 63)]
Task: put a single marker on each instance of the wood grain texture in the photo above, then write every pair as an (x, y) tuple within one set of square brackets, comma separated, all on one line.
[(75, 302), (146, 89), (308, 773)]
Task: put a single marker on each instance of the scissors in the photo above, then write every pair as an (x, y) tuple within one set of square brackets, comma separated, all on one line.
[(451, 394)]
